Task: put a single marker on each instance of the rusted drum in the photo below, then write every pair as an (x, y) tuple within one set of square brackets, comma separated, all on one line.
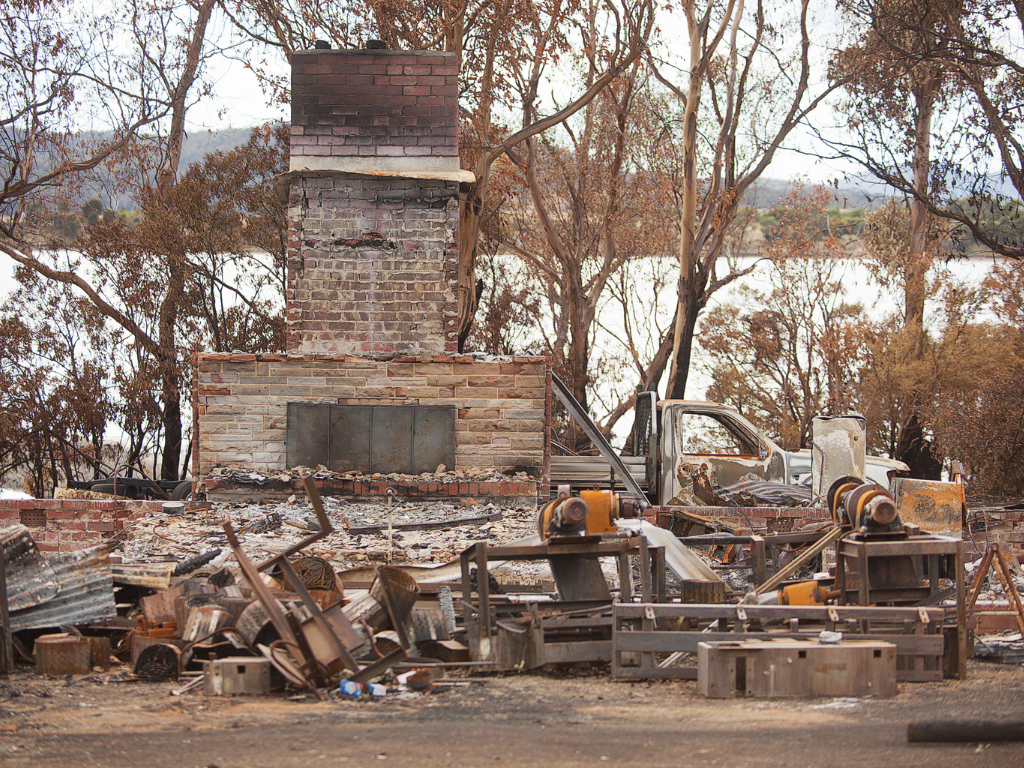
[(369, 606), (255, 626), (159, 662), (63, 654)]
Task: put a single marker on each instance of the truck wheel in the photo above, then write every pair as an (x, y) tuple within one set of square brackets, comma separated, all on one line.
[(182, 491)]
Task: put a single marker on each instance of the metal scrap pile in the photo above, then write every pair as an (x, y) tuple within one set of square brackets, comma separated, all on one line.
[(286, 619)]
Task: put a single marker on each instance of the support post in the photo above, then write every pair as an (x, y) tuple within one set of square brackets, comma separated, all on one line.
[(6, 640)]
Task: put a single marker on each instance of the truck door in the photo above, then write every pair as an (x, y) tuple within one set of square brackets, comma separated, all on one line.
[(725, 445)]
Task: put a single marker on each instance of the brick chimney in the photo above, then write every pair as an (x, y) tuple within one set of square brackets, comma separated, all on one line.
[(373, 203), (371, 381)]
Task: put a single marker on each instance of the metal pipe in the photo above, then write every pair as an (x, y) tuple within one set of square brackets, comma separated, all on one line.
[(964, 731)]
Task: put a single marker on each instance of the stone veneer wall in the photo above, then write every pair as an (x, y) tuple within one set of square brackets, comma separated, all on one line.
[(64, 525), (504, 406)]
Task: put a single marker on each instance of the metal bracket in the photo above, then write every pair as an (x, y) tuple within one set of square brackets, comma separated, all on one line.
[(582, 418)]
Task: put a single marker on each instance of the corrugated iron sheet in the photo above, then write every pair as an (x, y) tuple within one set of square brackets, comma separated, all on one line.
[(30, 579), (761, 493), (86, 592), (152, 575)]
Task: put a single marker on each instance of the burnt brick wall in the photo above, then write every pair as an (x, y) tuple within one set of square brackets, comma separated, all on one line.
[(242, 403), (374, 104), (65, 525), (372, 266)]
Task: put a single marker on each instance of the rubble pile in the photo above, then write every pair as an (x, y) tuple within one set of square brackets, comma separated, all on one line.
[(245, 475), (360, 530), (348, 594), (244, 629)]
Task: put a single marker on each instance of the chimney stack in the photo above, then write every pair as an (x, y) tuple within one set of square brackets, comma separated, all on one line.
[(373, 203)]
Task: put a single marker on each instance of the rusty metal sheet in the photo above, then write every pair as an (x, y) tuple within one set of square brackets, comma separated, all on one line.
[(86, 592), (349, 439), (935, 506), (307, 434), (152, 575), (412, 439), (391, 436), (371, 438), (433, 438), (30, 579)]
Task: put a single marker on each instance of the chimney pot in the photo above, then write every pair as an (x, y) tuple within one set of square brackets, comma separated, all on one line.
[(375, 45), (322, 45)]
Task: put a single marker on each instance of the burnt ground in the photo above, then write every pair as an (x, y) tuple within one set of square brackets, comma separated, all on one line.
[(541, 719)]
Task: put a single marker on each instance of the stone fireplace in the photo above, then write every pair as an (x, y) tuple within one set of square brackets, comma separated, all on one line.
[(371, 372)]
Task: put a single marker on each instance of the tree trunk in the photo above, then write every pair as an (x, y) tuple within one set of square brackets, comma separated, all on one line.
[(686, 315), (686, 327), (170, 374), (912, 447)]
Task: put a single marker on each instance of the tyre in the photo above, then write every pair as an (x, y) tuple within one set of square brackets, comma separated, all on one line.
[(182, 491), (106, 487)]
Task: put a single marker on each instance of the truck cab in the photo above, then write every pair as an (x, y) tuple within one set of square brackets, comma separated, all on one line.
[(690, 433), (695, 433), (677, 437)]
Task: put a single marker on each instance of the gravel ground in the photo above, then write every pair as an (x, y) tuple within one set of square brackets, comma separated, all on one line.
[(555, 718)]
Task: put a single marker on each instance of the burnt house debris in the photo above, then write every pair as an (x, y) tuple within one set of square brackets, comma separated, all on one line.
[(666, 564)]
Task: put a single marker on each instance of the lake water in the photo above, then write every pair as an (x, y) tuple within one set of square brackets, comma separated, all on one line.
[(858, 286), (655, 308)]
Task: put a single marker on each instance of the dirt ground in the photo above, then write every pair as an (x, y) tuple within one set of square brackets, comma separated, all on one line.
[(553, 718)]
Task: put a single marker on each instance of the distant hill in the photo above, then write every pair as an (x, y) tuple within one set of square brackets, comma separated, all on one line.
[(196, 146), (765, 194), (201, 143)]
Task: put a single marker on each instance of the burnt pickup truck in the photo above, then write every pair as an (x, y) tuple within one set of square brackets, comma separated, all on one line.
[(674, 434)]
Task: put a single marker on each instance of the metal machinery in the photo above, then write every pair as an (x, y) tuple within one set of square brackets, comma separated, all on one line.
[(575, 532), (888, 587), (882, 562)]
